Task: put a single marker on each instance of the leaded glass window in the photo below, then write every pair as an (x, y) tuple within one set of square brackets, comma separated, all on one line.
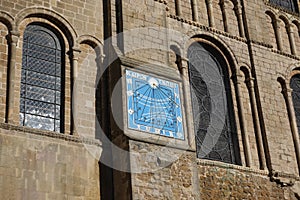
[(214, 122), (41, 79), (295, 85), (290, 5)]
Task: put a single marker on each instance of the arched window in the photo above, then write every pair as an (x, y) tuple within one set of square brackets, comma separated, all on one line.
[(41, 103), (295, 85), (214, 122), (290, 5)]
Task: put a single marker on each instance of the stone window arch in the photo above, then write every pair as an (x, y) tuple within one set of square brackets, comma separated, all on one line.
[(214, 123), (295, 86), (42, 78)]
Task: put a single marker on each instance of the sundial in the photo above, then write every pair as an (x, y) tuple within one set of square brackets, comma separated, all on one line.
[(153, 105)]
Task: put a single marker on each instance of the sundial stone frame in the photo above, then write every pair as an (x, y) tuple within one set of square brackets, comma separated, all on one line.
[(164, 92)]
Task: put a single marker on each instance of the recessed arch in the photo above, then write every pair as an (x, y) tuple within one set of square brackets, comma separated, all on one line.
[(246, 71), (271, 14), (90, 40), (284, 19), (93, 42), (53, 17), (213, 114), (291, 70), (220, 46), (178, 58), (297, 24), (282, 82), (7, 19), (42, 78)]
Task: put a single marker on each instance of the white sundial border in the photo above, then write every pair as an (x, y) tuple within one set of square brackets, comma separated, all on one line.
[(130, 76)]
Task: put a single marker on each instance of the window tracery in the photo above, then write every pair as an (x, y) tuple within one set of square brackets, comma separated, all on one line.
[(214, 122)]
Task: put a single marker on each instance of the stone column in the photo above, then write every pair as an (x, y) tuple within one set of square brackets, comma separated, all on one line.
[(287, 93), (277, 34), (258, 134), (195, 10), (290, 32), (224, 16), (238, 12), (237, 79), (11, 112), (210, 14), (178, 7), (187, 101), (74, 107)]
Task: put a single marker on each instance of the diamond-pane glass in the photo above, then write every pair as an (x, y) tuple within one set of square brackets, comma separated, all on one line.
[(40, 104), (212, 105), (295, 85)]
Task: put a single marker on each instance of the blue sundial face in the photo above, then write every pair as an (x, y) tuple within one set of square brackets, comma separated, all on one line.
[(153, 105)]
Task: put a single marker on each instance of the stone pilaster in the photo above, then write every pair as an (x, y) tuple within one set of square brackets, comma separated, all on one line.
[(210, 14), (11, 114), (188, 104), (237, 79), (74, 57), (287, 93), (256, 123)]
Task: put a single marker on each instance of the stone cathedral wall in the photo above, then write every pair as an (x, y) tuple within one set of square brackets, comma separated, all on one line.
[(251, 41), (260, 44), (37, 164)]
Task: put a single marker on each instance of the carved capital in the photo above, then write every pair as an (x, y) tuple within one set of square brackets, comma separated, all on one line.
[(250, 82), (238, 9), (277, 23), (74, 53), (237, 78), (184, 63), (209, 2), (13, 37), (288, 91)]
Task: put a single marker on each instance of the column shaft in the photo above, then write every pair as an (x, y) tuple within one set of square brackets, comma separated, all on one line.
[(10, 112), (187, 100), (287, 93), (277, 34), (75, 96), (291, 40), (195, 10), (210, 14), (238, 12), (178, 7), (243, 125), (258, 134)]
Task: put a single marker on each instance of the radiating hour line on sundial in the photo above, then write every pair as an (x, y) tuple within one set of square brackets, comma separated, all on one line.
[(167, 106), (170, 114), (151, 108), (141, 97), (164, 103), (167, 96), (159, 111), (146, 101), (143, 86)]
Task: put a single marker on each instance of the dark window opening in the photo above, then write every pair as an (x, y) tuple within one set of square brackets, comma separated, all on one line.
[(214, 123), (290, 5), (295, 85)]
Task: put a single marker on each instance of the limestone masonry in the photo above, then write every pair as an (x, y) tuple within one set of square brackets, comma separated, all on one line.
[(149, 99)]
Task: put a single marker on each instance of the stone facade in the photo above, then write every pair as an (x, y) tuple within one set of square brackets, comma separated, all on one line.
[(259, 43)]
